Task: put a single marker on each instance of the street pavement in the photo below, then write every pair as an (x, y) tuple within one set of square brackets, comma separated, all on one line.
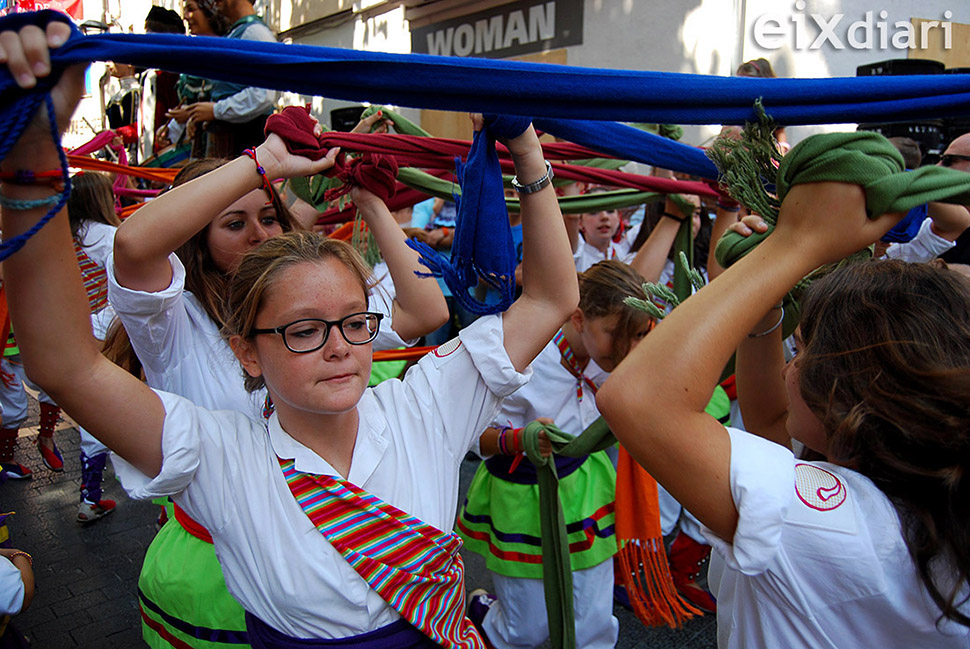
[(87, 575)]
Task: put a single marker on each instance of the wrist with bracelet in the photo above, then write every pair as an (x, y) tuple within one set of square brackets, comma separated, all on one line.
[(679, 219), (510, 441), (27, 178), (21, 553), (774, 326), (251, 153), (538, 185)]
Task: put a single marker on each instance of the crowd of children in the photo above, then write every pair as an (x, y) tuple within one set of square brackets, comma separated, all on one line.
[(313, 511)]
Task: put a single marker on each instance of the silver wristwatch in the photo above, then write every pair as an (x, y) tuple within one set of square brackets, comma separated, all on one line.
[(532, 188)]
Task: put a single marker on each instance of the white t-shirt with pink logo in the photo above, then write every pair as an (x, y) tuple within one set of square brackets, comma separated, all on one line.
[(818, 561)]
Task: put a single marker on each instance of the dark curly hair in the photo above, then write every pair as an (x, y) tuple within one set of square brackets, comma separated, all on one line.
[(886, 367)]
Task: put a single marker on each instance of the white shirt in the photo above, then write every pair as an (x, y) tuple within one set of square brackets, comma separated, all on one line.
[(98, 240), (249, 103), (586, 255), (182, 350), (818, 561), (12, 589), (552, 393), (925, 246), (221, 467)]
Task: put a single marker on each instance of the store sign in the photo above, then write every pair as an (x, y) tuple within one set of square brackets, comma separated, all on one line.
[(509, 30)]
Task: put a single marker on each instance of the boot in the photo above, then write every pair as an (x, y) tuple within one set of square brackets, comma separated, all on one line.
[(92, 506), (49, 414), (687, 558), (8, 442)]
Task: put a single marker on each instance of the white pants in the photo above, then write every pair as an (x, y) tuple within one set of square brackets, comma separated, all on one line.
[(13, 397), (518, 619), (89, 445)]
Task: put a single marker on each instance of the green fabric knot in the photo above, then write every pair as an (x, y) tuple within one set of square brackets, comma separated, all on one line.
[(863, 158), (557, 576)]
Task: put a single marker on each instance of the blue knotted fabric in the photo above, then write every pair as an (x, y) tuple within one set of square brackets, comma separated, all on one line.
[(483, 249)]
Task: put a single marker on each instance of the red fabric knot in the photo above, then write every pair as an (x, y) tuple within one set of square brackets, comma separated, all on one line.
[(295, 126), (374, 172)]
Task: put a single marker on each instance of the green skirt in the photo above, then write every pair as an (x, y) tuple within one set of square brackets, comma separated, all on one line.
[(500, 519), (182, 595)]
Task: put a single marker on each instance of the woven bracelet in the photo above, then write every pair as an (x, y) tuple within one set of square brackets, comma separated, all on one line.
[(31, 204)]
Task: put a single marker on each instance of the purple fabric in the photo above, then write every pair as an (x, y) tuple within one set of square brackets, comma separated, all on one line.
[(525, 473), (399, 635)]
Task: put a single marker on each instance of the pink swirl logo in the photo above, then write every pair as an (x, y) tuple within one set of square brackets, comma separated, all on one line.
[(817, 488)]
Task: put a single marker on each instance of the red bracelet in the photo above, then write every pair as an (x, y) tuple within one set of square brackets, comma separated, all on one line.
[(262, 173), (29, 177)]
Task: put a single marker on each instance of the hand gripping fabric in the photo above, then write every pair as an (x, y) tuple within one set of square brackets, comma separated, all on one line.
[(374, 172), (483, 248), (863, 158), (18, 108), (643, 563)]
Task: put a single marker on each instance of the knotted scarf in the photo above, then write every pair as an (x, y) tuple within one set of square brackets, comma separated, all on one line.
[(642, 557), (862, 158), (374, 172), (483, 249)]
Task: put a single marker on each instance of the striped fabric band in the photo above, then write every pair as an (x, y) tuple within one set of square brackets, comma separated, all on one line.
[(95, 279), (572, 365), (413, 566)]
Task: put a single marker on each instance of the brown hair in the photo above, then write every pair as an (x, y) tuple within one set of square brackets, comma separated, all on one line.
[(92, 199), (602, 289), (756, 68), (886, 367), (909, 149), (202, 278), (117, 348), (260, 268)]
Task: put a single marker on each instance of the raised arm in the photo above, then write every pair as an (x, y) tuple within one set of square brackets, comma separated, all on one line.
[(948, 221), (48, 304), (679, 363), (652, 255), (550, 290), (146, 239), (572, 220), (419, 306), (759, 365)]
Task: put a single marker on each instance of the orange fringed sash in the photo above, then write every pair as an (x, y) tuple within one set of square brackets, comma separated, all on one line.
[(642, 560)]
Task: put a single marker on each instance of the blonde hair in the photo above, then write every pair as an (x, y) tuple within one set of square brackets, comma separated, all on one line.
[(259, 269)]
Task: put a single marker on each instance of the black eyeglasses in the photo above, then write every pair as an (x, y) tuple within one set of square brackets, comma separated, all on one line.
[(947, 159), (310, 334)]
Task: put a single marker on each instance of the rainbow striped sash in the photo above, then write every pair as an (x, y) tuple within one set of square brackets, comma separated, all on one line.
[(95, 279), (413, 566)]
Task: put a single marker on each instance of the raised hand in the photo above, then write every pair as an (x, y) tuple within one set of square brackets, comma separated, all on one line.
[(27, 55)]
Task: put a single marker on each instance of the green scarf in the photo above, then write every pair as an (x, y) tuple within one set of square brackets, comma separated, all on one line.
[(557, 576)]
